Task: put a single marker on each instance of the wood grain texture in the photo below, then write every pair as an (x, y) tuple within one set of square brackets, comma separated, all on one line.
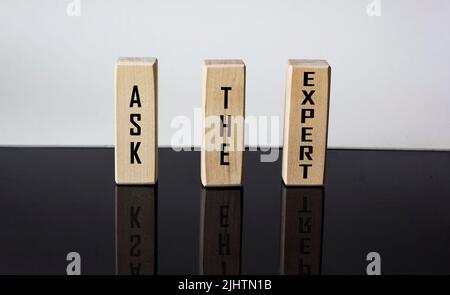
[(223, 129), (135, 229), (221, 227), (136, 150), (306, 122), (301, 230)]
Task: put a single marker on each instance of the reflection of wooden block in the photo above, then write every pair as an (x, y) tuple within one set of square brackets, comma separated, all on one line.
[(220, 241), (306, 122), (135, 229), (223, 134), (136, 152), (301, 230)]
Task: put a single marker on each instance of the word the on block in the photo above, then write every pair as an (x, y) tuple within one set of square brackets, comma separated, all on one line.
[(306, 122), (136, 121), (223, 133)]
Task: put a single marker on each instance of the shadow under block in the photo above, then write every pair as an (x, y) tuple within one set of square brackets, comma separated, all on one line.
[(223, 130), (306, 122), (136, 152)]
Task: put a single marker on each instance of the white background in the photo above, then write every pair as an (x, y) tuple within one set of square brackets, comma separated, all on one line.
[(390, 73)]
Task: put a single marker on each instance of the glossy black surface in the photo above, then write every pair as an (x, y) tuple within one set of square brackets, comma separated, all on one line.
[(57, 200)]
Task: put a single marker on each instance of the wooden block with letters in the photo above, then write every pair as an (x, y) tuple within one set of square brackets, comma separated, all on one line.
[(306, 122), (223, 130), (136, 151)]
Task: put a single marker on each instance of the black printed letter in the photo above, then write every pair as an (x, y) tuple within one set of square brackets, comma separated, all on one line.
[(134, 152), (225, 94), (133, 119), (135, 97), (306, 78)]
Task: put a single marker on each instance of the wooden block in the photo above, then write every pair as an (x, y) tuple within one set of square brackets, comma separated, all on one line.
[(301, 230), (136, 152), (306, 122), (135, 229), (221, 226), (223, 133)]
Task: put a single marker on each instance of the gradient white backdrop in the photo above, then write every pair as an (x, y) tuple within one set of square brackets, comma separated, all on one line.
[(390, 73)]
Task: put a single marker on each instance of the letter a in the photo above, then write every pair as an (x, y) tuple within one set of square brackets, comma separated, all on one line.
[(135, 97)]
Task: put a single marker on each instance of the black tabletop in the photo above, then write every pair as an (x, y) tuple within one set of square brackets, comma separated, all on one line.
[(54, 201)]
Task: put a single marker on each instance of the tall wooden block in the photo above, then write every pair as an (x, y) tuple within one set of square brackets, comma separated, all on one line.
[(136, 152), (306, 122), (221, 228), (223, 133), (301, 230), (136, 229)]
